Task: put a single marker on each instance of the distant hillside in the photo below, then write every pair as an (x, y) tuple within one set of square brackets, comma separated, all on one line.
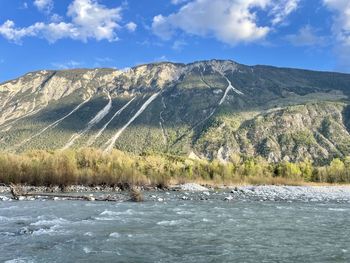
[(210, 109)]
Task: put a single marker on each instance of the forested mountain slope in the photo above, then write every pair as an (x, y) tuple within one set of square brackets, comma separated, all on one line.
[(209, 109)]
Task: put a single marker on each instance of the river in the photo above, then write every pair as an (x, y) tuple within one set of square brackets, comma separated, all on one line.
[(169, 229)]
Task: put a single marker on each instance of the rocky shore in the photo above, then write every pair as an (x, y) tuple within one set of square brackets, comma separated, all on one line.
[(57, 189), (192, 191), (293, 193), (191, 187)]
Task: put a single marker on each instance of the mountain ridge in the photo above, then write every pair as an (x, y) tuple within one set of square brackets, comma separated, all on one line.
[(176, 64)]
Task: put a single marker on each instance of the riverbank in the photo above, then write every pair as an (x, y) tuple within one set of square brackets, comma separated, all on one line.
[(186, 187), (192, 191)]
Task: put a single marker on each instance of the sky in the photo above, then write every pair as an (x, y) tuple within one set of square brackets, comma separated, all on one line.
[(63, 34)]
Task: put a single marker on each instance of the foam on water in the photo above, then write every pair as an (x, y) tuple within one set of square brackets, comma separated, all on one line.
[(19, 260), (10, 207), (114, 213), (184, 212), (338, 209), (15, 218), (7, 234), (4, 218), (115, 235), (109, 213), (106, 218), (172, 222), (50, 231), (87, 250), (4, 198), (56, 221)]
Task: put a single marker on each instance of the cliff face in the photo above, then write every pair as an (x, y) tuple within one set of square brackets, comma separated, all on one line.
[(212, 109)]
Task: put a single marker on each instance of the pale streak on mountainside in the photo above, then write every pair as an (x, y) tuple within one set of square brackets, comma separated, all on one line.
[(229, 87), (112, 141), (33, 111), (99, 116), (161, 123), (97, 135), (222, 100), (8, 126), (9, 98), (52, 124)]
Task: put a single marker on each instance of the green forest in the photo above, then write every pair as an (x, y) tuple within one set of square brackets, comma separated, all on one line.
[(92, 167)]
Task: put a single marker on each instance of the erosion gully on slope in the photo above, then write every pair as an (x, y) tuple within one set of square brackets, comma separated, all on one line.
[(99, 116), (99, 133), (52, 125), (111, 142), (229, 87)]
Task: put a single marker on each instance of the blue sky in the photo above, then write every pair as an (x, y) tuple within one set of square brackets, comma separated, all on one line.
[(59, 34)]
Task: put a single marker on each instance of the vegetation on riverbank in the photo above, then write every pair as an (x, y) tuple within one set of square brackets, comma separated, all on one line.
[(93, 167)]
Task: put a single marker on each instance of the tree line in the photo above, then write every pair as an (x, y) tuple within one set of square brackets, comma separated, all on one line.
[(90, 166)]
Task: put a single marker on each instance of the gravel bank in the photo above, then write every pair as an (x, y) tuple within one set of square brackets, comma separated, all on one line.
[(293, 193), (231, 194), (68, 189)]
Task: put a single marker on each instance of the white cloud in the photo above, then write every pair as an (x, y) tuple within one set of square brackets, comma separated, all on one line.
[(9, 31), (342, 53), (44, 5), (89, 20), (161, 59), (104, 59), (177, 2), (66, 65), (306, 36), (103, 62), (281, 9), (230, 21), (131, 26), (94, 20), (341, 31), (341, 26), (178, 45), (55, 31), (56, 18), (24, 5)]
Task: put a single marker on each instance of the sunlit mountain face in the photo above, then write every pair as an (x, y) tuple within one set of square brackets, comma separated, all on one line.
[(211, 109)]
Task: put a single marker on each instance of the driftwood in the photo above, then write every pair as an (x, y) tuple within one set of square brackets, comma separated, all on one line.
[(14, 191), (136, 195), (17, 192)]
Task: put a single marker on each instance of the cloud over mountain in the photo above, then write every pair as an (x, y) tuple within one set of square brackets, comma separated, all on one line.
[(88, 20), (229, 21)]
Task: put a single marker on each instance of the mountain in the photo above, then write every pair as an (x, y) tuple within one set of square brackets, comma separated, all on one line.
[(210, 109)]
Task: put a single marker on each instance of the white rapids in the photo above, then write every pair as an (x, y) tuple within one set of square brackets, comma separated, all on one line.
[(99, 116), (110, 143), (52, 124), (97, 135)]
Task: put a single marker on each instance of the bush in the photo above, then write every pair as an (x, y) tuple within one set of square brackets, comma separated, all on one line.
[(92, 167)]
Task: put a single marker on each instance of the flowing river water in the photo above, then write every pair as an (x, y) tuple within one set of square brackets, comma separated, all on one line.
[(166, 228)]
